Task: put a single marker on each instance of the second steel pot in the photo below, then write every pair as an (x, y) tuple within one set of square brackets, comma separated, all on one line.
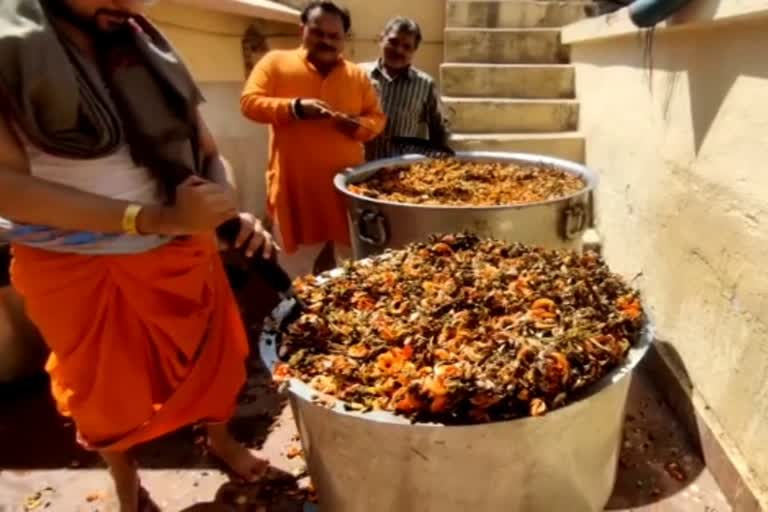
[(377, 225)]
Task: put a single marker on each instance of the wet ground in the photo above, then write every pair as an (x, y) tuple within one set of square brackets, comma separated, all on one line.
[(42, 469)]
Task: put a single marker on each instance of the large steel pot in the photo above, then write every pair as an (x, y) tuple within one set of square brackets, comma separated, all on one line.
[(379, 462), (376, 225)]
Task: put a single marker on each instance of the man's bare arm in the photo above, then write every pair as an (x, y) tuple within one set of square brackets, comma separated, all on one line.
[(30, 200)]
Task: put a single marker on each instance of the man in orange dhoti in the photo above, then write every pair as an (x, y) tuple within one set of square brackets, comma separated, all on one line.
[(321, 108), (112, 187)]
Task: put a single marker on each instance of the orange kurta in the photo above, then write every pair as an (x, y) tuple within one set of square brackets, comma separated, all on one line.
[(306, 155), (142, 344)]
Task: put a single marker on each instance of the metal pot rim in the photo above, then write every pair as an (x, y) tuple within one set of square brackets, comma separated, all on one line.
[(359, 173), (302, 391)]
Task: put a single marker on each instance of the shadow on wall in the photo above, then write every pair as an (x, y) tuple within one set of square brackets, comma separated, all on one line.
[(712, 65)]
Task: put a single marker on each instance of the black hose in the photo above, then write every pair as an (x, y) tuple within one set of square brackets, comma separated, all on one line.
[(5, 265)]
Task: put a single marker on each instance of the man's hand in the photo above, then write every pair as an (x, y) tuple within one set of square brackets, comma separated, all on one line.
[(201, 206), (346, 124), (253, 233), (313, 109)]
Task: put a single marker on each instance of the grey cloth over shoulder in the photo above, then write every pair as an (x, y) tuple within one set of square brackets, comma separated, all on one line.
[(139, 93)]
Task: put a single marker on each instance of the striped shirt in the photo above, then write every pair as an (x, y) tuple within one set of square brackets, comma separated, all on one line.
[(412, 104)]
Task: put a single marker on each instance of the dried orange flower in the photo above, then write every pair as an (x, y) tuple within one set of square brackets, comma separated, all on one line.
[(453, 182), (462, 330)]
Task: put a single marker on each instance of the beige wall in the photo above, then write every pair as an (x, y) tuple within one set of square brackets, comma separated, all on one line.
[(242, 142), (682, 151), (370, 16), (210, 42)]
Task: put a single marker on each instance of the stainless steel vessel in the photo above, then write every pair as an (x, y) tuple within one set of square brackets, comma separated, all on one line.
[(379, 462), (376, 225)]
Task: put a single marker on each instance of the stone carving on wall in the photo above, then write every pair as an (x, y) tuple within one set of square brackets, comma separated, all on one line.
[(254, 47)]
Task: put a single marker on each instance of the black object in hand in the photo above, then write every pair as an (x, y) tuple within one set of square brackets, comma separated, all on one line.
[(267, 268)]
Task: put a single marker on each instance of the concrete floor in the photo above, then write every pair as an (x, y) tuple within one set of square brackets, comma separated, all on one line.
[(42, 469)]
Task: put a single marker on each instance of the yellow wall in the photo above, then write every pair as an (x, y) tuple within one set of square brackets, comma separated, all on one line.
[(682, 152), (210, 42)]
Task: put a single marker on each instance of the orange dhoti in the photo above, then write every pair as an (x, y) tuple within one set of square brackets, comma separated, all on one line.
[(142, 344)]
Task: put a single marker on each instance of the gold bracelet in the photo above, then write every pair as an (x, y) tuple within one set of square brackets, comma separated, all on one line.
[(129, 218)]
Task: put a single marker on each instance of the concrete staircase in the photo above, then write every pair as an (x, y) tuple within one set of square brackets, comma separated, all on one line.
[(506, 80)]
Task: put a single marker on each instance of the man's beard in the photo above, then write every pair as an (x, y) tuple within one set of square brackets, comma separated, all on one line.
[(59, 9)]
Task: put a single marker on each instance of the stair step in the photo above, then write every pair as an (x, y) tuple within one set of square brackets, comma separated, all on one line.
[(505, 46), (494, 115), (567, 145), (513, 14), (508, 80)]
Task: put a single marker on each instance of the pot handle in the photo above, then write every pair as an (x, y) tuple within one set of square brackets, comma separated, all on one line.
[(575, 221), (372, 228)]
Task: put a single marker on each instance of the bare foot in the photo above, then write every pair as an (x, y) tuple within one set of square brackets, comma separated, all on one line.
[(240, 460), (125, 474)]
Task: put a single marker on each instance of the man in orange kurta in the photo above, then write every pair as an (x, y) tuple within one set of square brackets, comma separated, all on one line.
[(321, 108)]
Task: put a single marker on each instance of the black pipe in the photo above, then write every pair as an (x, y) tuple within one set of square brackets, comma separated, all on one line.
[(647, 13), (5, 265)]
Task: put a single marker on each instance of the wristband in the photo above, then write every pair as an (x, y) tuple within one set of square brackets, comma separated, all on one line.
[(130, 216), (298, 111)]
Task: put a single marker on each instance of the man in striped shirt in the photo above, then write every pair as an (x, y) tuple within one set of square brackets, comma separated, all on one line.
[(409, 96)]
